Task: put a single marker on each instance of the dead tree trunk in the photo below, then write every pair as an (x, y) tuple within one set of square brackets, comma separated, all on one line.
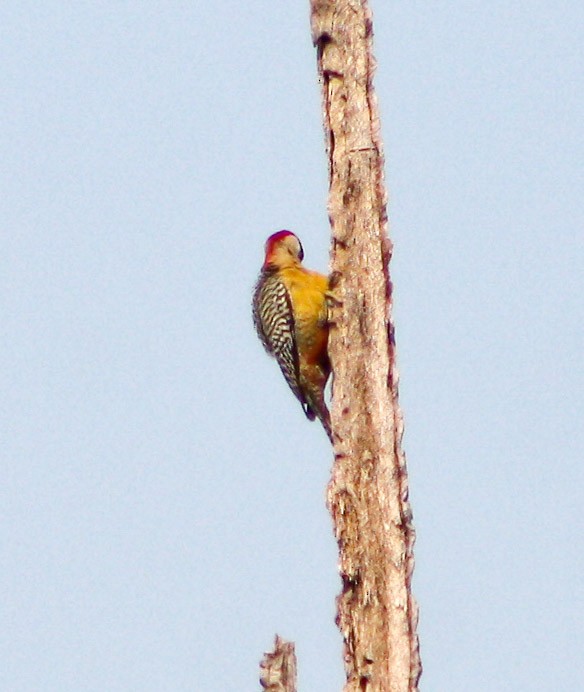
[(368, 492)]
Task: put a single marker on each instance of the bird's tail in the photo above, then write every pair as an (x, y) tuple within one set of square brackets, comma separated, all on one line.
[(313, 389)]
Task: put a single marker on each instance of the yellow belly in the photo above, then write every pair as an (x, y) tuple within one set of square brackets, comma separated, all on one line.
[(308, 292)]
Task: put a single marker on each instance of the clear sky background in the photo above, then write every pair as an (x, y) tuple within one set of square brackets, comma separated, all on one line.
[(161, 494)]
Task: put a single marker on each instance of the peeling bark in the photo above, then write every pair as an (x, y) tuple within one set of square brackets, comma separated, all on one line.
[(368, 492)]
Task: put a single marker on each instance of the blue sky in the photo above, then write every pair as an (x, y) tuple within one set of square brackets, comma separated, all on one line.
[(162, 495)]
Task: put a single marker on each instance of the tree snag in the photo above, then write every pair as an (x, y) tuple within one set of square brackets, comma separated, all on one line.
[(368, 492), (278, 668)]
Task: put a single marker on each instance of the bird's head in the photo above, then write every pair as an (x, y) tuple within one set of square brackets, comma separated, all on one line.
[(283, 248)]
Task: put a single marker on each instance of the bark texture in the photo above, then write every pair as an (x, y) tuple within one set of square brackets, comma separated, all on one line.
[(368, 491), (278, 668)]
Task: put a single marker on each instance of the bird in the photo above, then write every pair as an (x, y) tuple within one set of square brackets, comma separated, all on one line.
[(290, 314)]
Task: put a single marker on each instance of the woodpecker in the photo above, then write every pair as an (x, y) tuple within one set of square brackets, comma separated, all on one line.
[(290, 317)]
